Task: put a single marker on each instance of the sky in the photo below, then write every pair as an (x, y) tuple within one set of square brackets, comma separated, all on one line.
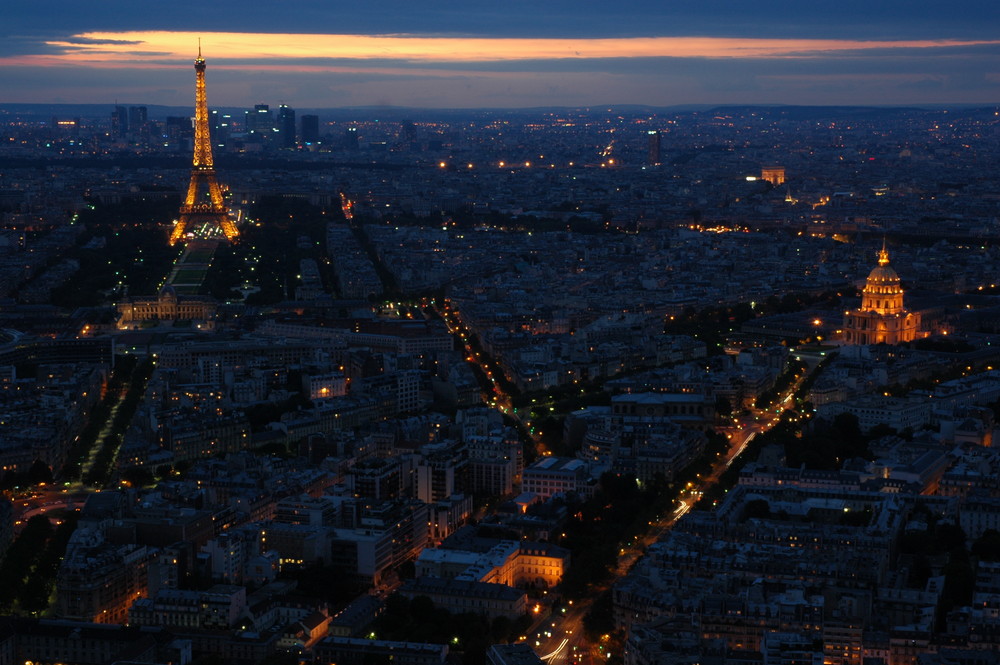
[(503, 53)]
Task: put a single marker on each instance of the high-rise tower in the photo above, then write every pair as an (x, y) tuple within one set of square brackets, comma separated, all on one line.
[(310, 128), (653, 147), (203, 203), (286, 126)]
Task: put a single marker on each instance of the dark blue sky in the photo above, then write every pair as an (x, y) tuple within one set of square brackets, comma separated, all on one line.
[(433, 53)]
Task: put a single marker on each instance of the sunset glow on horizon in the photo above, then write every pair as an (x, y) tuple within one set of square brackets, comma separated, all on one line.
[(428, 53), (160, 47)]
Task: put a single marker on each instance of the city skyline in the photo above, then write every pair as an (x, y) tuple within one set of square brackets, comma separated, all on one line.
[(424, 55), (557, 386)]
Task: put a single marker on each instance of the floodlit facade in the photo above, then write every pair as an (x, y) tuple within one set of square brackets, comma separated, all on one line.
[(882, 318)]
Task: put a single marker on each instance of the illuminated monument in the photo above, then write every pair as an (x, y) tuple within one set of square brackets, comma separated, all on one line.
[(881, 317), (203, 204)]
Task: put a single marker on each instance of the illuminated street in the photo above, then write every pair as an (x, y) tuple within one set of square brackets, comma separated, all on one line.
[(566, 641)]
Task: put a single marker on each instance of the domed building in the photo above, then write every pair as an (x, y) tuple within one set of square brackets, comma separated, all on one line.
[(881, 319)]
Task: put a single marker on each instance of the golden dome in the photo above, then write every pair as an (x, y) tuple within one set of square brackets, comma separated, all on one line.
[(883, 273), (882, 318)]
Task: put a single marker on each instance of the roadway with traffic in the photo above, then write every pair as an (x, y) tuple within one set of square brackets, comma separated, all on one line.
[(561, 637)]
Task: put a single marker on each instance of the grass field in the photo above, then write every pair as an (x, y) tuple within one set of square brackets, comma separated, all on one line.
[(189, 272), (186, 275), (200, 255)]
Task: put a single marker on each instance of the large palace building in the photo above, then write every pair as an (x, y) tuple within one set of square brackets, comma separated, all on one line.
[(881, 319), (167, 308)]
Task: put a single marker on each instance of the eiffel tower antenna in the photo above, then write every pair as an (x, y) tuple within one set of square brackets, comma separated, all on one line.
[(203, 203)]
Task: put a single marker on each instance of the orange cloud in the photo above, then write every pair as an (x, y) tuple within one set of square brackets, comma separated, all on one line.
[(143, 48)]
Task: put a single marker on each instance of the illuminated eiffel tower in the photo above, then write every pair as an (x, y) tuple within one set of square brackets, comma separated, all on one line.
[(203, 203)]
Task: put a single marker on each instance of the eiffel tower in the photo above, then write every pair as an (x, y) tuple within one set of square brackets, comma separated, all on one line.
[(203, 203)]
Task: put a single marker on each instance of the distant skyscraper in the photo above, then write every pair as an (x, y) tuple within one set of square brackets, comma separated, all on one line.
[(351, 138), (222, 128), (286, 126), (310, 129), (409, 131), (119, 122), (137, 117), (138, 125), (258, 121), (177, 128), (653, 153), (221, 125)]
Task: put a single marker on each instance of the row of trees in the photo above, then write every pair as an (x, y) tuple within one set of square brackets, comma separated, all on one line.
[(942, 540), (268, 253), (143, 476), (619, 512), (467, 218), (823, 445), (793, 370), (39, 472), (124, 243), (802, 392), (101, 470), (713, 324), (98, 418), (419, 620), (30, 566)]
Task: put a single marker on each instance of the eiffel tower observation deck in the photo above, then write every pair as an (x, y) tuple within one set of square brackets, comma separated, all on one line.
[(203, 207)]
